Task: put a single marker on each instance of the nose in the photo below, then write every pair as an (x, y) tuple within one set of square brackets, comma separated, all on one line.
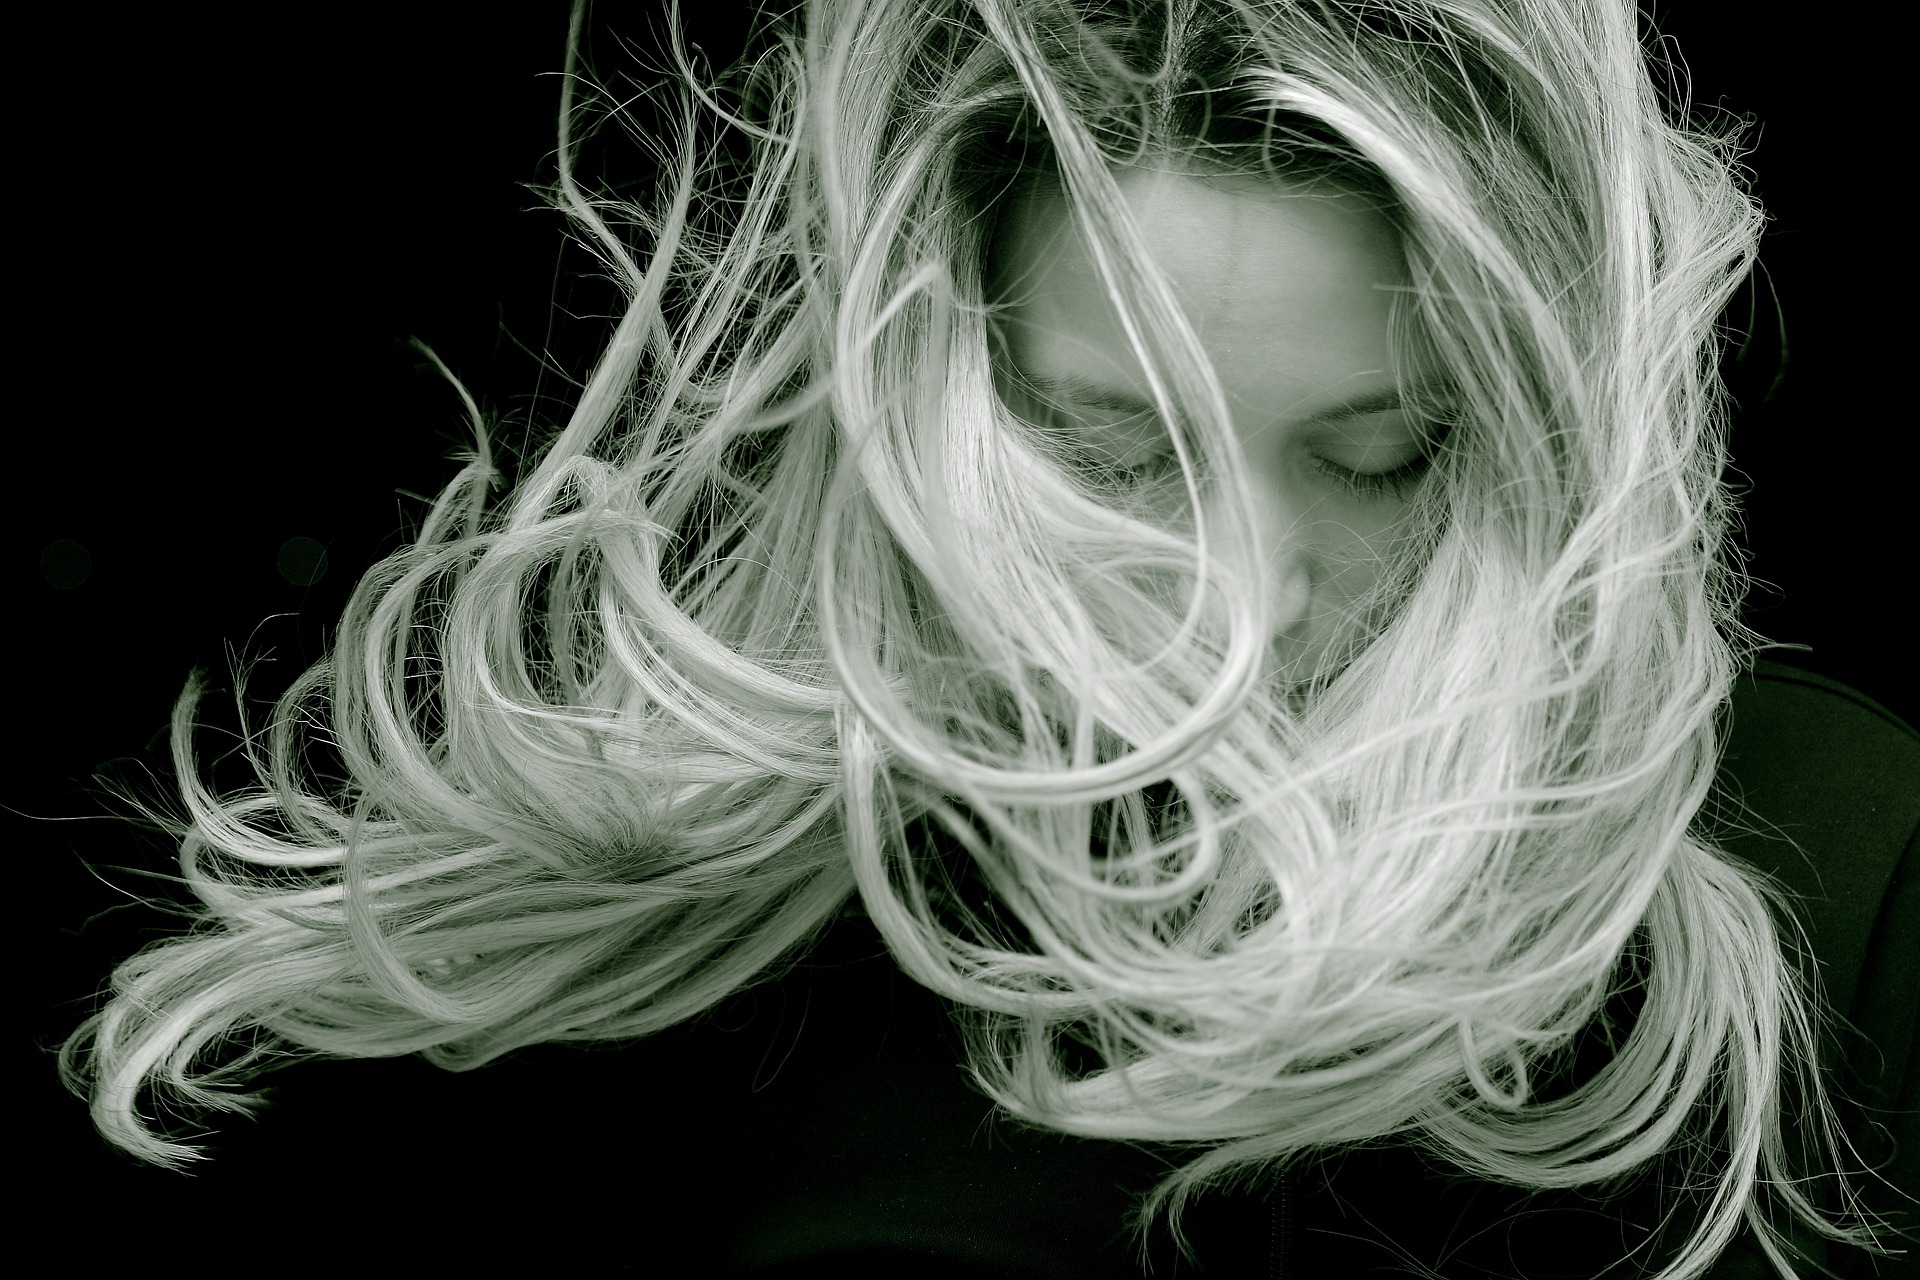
[(1291, 644), (1291, 590), (1284, 538), (1290, 573)]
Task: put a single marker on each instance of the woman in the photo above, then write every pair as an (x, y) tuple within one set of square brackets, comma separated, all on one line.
[(1203, 519)]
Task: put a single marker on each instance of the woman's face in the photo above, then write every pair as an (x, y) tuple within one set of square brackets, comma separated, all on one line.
[(1289, 293)]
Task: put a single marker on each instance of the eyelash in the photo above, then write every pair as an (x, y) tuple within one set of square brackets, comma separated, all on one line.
[(1369, 486), (1373, 486), (1156, 467)]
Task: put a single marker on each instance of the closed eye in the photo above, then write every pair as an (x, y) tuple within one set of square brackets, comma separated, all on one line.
[(1377, 485), (1394, 482)]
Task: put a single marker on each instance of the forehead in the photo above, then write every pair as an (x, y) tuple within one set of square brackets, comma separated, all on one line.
[(1289, 289)]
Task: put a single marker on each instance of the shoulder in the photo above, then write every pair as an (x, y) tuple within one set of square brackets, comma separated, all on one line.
[(1821, 749), (1819, 786)]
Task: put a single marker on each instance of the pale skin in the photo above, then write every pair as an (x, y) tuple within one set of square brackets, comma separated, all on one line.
[(1289, 291)]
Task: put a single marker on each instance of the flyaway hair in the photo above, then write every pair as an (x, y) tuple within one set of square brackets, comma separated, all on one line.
[(791, 608)]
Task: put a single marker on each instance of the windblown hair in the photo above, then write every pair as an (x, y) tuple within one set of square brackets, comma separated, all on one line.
[(793, 608)]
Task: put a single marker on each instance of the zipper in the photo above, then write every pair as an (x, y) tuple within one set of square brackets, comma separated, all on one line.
[(1280, 1229)]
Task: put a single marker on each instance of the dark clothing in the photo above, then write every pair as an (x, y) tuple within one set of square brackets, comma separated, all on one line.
[(823, 1125)]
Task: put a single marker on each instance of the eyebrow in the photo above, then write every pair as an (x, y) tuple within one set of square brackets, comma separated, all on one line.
[(1072, 389)]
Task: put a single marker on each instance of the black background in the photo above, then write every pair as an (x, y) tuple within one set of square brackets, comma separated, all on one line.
[(233, 221)]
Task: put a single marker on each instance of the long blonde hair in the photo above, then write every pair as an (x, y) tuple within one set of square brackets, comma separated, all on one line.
[(792, 608)]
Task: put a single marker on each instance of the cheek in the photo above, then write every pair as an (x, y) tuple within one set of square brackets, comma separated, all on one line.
[(1347, 538), (1341, 539)]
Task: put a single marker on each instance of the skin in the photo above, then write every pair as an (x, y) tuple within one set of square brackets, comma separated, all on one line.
[(1289, 292)]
